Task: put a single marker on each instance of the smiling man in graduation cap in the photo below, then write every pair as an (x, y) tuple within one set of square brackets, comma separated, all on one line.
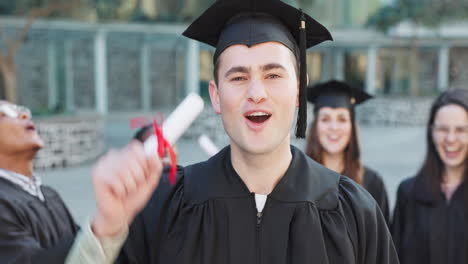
[(259, 200)]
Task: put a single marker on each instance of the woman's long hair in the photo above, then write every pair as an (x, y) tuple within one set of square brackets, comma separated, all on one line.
[(432, 169), (352, 153)]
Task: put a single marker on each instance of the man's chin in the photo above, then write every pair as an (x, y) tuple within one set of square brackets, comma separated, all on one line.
[(39, 144), (258, 149)]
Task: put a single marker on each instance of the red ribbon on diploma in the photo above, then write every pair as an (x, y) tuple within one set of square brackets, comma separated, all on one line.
[(163, 144)]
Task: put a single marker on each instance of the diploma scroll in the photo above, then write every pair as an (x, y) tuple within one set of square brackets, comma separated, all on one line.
[(177, 122), (207, 145)]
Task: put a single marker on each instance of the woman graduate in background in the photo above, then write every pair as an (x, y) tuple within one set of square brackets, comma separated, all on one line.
[(333, 140), (430, 223)]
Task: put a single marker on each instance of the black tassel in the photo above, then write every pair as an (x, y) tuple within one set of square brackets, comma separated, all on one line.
[(302, 114)]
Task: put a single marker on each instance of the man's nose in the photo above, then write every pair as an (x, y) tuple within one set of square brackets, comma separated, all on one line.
[(257, 91)]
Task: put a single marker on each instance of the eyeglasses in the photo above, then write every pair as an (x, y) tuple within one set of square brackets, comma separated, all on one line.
[(14, 111), (442, 131)]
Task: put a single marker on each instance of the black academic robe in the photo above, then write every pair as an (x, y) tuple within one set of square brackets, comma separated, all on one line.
[(32, 231), (374, 184), (426, 228), (313, 215)]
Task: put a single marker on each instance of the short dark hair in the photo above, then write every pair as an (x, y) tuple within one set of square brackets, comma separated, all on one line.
[(432, 169)]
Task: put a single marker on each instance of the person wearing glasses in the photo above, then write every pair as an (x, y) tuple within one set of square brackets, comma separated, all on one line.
[(35, 224), (430, 223)]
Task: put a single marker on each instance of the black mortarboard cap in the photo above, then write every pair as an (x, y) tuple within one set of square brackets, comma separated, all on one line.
[(251, 22), (335, 94)]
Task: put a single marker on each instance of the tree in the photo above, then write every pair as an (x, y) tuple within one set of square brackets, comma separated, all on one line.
[(12, 44), (429, 13)]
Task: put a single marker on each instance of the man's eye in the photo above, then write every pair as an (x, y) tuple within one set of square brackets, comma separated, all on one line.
[(273, 76), (238, 78)]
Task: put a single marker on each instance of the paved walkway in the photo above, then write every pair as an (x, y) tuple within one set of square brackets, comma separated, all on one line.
[(396, 153)]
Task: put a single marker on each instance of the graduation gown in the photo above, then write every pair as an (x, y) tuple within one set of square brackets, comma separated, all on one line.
[(374, 184), (32, 231), (313, 215), (428, 229)]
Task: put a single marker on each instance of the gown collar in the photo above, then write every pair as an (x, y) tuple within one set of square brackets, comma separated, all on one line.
[(304, 181), (424, 192)]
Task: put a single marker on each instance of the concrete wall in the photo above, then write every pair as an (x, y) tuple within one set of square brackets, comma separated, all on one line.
[(69, 141), (395, 111)]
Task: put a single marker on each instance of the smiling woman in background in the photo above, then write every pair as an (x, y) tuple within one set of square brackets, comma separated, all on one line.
[(333, 139), (430, 223)]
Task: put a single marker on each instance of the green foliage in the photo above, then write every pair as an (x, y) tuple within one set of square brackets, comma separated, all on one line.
[(6, 7), (201, 5), (105, 9), (23, 7), (385, 18), (422, 12), (18, 6), (177, 11)]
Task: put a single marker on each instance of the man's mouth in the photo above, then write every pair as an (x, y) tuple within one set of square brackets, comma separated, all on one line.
[(30, 128), (258, 117)]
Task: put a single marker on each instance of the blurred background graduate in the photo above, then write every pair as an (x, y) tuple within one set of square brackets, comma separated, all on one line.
[(35, 224), (430, 223), (333, 136)]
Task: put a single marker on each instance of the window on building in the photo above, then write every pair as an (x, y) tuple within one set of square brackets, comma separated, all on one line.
[(407, 71), (355, 68)]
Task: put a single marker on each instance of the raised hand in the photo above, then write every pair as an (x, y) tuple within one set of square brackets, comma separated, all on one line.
[(123, 182)]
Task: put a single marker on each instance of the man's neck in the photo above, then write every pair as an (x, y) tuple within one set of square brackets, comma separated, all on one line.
[(333, 162), (261, 172), (19, 164)]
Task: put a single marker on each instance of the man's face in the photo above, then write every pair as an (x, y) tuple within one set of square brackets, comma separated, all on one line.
[(17, 131), (257, 94)]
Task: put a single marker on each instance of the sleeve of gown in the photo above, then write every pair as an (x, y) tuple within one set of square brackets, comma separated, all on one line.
[(397, 226), (366, 224), (87, 248), (18, 245)]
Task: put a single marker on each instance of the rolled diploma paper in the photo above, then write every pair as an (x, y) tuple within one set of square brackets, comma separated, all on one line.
[(177, 122), (207, 145)]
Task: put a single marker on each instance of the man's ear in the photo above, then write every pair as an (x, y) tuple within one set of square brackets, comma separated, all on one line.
[(214, 96), (298, 87)]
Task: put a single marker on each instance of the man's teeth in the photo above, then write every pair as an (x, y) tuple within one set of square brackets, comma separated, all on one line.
[(258, 114)]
